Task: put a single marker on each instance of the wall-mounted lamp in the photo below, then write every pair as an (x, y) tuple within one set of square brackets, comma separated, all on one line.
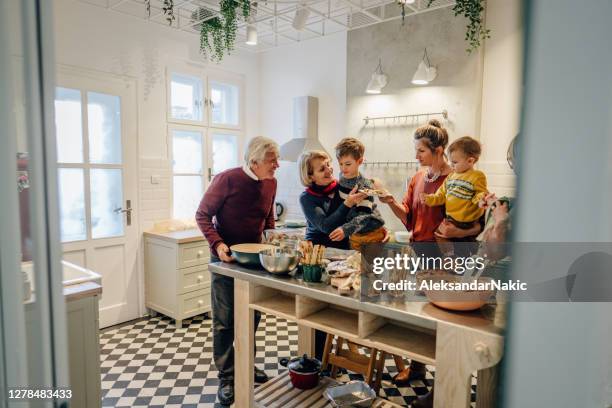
[(251, 34), (425, 73), (378, 80)]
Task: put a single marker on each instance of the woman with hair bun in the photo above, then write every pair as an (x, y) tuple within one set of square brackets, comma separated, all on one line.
[(430, 142)]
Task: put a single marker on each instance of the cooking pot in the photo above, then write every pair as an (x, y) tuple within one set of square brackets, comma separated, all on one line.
[(303, 371)]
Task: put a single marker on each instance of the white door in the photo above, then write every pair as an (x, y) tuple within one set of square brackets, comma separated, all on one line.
[(97, 159)]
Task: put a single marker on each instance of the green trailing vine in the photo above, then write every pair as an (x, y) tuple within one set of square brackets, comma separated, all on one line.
[(218, 34), (476, 30)]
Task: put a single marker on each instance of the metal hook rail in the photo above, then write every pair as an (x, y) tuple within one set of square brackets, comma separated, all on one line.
[(367, 119), (413, 163)]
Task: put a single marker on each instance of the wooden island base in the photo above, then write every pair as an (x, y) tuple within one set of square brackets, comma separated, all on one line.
[(457, 344)]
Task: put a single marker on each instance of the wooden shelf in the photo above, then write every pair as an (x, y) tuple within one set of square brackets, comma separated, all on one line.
[(333, 320), (278, 305), (280, 393), (404, 341)]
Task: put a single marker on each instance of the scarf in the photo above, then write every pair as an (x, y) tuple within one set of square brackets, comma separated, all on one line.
[(321, 191)]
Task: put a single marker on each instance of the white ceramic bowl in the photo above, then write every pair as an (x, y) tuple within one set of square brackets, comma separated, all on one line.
[(402, 237)]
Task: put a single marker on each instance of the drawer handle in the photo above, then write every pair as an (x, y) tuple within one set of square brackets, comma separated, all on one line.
[(200, 302), (200, 277), (200, 253)]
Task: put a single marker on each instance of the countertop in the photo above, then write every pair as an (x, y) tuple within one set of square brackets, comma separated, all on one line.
[(178, 237), (419, 313), (82, 290)]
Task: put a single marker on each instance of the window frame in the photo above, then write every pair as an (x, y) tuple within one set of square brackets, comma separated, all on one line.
[(186, 71), (205, 127)]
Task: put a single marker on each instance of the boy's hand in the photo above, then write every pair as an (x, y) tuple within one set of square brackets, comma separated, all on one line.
[(354, 197), (337, 234), (487, 200), (422, 198)]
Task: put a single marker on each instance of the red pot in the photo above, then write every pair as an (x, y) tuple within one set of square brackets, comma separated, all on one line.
[(303, 371)]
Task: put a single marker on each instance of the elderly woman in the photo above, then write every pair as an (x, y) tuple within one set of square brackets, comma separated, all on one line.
[(321, 203), (323, 208), (235, 209)]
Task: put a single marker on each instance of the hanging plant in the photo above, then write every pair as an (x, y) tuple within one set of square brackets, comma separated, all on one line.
[(168, 9), (476, 30), (218, 34)]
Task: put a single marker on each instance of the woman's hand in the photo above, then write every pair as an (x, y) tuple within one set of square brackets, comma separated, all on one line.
[(354, 198), (337, 234), (387, 198), (224, 253), (422, 198), (447, 229)]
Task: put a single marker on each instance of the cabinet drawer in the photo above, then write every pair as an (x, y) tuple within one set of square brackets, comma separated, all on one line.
[(194, 278), (193, 254), (194, 303)]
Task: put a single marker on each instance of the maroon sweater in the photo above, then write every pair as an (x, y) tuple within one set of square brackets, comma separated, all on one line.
[(236, 209)]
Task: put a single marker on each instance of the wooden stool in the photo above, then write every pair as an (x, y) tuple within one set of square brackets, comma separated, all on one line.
[(354, 361)]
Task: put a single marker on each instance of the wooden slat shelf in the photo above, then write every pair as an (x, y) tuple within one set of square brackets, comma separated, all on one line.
[(404, 342), (280, 393), (336, 321), (278, 305)]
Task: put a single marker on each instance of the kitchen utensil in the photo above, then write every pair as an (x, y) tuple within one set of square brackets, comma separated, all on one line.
[(295, 223), (350, 394), (279, 260), (248, 254), (312, 273), (402, 237), (457, 300), (279, 209), (303, 371)]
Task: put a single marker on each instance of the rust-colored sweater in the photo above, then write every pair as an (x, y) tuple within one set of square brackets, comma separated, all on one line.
[(236, 209), (422, 220)]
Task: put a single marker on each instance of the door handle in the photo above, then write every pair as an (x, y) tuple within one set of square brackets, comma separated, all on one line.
[(127, 211)]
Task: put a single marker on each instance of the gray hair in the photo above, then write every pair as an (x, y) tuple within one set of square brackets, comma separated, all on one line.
[(257, 148), (305, 164)]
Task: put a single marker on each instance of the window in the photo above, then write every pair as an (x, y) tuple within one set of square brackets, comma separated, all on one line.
[(90, 173), (205, 118), (187, 171), (225, 106), (186, 98)]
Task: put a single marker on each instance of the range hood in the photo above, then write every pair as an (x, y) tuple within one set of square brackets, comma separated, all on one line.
[(305, 129)]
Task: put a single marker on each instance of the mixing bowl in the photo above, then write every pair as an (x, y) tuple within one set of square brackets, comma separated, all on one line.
[(279, 260)]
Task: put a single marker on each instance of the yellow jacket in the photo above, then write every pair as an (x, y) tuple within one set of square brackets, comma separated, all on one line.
[(461, 192)]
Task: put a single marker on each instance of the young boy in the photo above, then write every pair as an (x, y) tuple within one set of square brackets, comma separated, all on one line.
[(463, 188), (364, 223)]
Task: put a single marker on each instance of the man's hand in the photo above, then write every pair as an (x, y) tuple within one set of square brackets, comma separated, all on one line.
[(224, 253), (337, 234)]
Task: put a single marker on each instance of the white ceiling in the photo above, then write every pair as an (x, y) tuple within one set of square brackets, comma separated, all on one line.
[(273, 18)]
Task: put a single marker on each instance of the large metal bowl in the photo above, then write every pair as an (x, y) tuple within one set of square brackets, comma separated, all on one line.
[(248, 254), (279, 260)]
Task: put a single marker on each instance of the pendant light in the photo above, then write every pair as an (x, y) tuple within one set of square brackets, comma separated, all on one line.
[(425, 73), (378, 80), (251, 35)]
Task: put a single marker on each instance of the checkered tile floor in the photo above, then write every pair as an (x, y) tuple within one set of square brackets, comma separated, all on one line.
[(151, 364)]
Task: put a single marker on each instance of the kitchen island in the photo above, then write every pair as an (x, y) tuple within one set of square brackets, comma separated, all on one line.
[(458, 344)]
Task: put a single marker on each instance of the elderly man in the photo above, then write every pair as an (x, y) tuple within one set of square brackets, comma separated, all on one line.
[(235, 209)]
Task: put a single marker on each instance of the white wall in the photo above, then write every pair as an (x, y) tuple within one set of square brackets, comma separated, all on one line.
[(501, 91), (92, 38), (316, 68)]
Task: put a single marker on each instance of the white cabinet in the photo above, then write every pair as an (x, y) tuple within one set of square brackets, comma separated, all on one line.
[(177, 281), (84, 351)]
